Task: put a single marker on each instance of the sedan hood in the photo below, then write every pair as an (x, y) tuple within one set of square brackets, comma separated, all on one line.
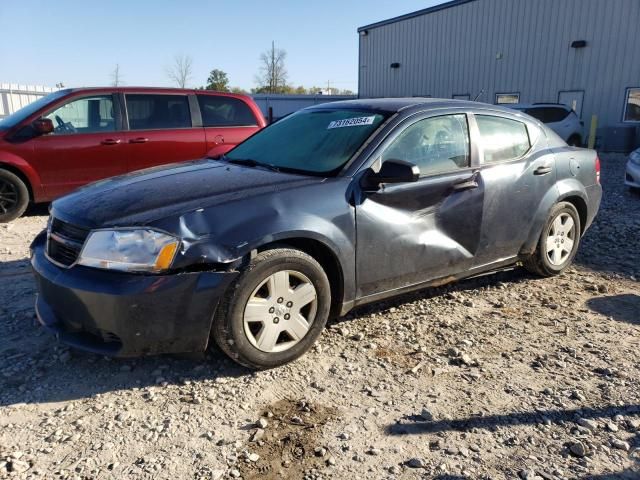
[(142, 197)]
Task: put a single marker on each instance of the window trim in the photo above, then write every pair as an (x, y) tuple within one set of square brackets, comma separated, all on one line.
[(126, 111), (481, 145), (117, 113), (627, 94), (389, 140), (517, 94)]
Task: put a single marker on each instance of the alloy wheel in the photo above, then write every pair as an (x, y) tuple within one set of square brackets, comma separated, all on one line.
[(8, 196), (560, 239), (280, 311)]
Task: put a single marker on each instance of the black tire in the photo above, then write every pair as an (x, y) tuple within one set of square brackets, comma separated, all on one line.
[(574, 141), (14, 196), (228, 329), (539, 262)]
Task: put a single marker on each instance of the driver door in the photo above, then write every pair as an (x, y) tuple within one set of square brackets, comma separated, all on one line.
[(410, 233), (85, 146)]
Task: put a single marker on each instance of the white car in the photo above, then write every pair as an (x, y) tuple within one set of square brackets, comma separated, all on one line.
[(632, 175), (558, 117)]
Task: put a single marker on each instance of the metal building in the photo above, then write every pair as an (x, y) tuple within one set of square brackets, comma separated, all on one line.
[(583, 53)]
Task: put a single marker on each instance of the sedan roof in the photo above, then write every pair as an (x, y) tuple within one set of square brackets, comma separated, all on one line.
[(393, 105)]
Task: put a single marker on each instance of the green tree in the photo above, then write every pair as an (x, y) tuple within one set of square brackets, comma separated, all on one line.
[(218, 80)]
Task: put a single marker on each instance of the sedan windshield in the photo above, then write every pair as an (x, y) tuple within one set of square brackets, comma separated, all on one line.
[(311, 141), (19, 115)]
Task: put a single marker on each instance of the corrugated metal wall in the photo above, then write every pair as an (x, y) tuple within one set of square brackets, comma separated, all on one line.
[(504, 46), (283, 105)]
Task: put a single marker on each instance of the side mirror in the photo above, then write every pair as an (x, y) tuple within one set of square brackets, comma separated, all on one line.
[(42, 126), (393, 171)]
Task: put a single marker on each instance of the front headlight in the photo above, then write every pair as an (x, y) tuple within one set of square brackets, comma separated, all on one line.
[(635, 157), (140, 250)]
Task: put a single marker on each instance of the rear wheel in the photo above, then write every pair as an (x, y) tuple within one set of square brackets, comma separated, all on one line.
[(14, 196), (274, 311), (558, 242), (574, 141)]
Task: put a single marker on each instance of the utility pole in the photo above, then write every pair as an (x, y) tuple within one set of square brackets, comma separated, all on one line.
[(273, 66)]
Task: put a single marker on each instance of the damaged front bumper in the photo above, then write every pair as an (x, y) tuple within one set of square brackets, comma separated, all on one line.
[(125, 314)]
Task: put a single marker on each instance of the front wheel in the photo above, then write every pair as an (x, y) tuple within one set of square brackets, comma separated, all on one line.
[(558, 242), (14, 196), (274, 311)]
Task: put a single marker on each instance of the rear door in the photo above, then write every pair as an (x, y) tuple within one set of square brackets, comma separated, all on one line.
[(86, 144), (516, 171), (410, 233), (227, 121), (160, 130)]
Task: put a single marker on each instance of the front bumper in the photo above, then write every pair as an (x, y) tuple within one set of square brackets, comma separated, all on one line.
[(632, 175), (126, 315)]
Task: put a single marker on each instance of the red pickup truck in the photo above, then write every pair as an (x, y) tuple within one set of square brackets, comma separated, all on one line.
[(76, 136)]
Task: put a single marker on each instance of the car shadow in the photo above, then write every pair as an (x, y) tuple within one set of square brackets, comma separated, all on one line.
[(512, 275), (35, 368), (623, 308), (37, 210), (414, 424)]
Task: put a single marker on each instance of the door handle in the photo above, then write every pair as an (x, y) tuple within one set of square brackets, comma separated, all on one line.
[(139, 140), (542, 170), (110, 141), (468, 184)]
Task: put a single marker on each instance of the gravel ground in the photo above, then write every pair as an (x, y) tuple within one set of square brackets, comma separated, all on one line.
[(505, 376)]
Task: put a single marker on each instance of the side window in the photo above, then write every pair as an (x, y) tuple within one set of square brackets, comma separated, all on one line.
[(502, 139), (557, 114), (539, 113), (85, 115), (632, 105), (151, 112), (436, 145), (218, 111)]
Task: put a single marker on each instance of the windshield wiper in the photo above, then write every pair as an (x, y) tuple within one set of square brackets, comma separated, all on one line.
[(250, 162)]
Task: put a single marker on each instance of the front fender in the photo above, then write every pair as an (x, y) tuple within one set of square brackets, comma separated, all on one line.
[(18, 163), (226, 234)]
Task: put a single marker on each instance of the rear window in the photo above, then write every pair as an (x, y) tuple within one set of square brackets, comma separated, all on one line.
[(503, 139), (150, 112), (220, 111), (548, 114)]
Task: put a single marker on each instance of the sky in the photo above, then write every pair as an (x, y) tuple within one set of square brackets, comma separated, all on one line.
[(79, 43)]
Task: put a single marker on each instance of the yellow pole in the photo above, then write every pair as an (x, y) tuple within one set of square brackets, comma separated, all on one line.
[(592, 131)]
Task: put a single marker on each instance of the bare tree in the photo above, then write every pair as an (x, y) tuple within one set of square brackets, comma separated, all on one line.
[(116, 77), (273, 74), (181, 70)]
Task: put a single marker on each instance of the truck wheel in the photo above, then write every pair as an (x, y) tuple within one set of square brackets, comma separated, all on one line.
[(274, 311), (14, 196), (558, 242)]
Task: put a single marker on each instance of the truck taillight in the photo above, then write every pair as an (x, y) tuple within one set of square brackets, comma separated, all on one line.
[(597, 169)]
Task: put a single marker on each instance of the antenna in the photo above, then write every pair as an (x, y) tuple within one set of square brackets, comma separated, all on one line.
[(479, 95)]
